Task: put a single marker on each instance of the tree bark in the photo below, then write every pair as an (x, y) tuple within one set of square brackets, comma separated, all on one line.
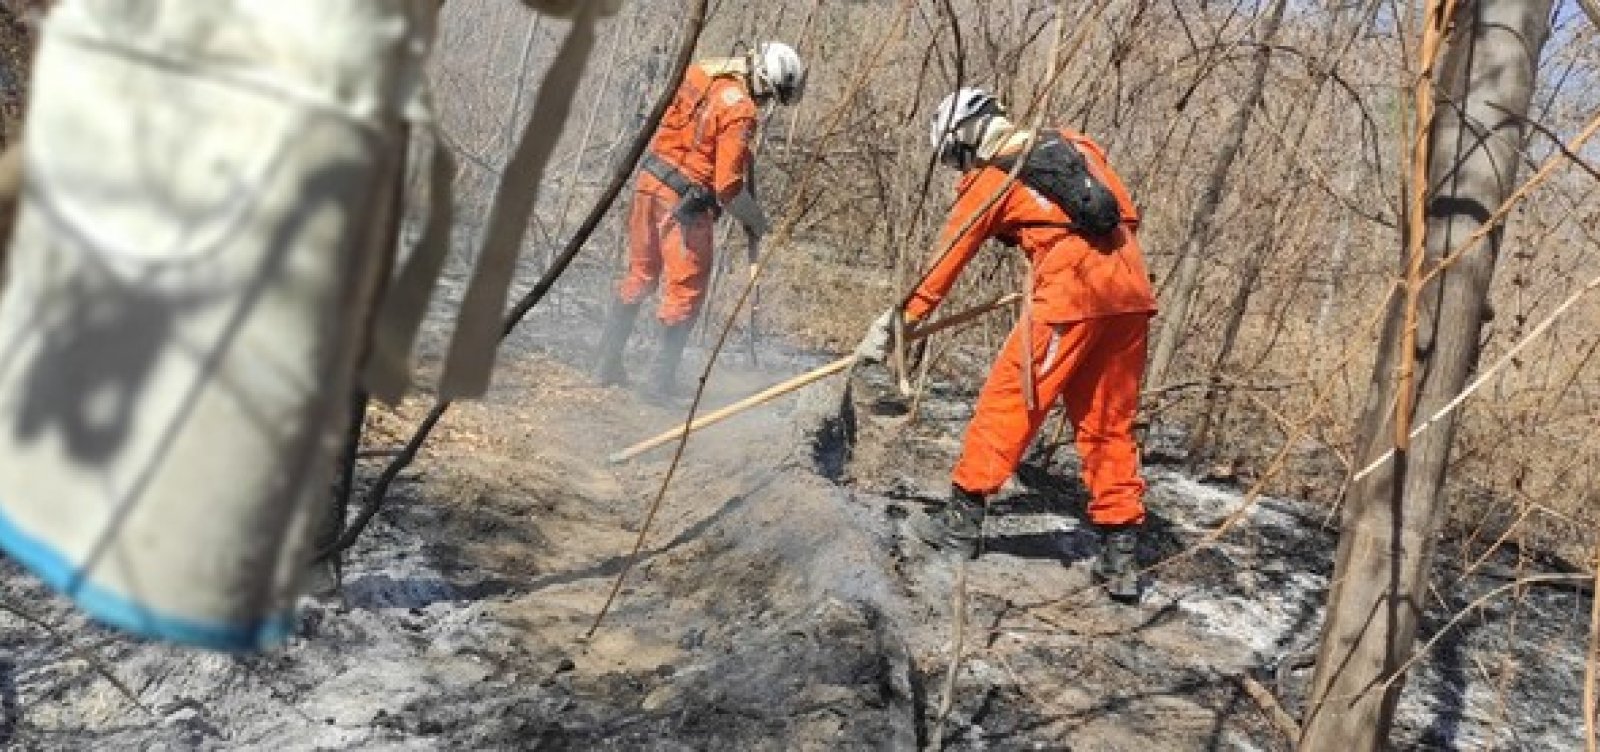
[(1186, 277), (1338, 261), (1200, 449), (1486, 79)]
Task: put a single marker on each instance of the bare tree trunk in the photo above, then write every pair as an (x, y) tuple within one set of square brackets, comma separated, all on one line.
[(1485, 83), (1338, 260), (1200, 449), (1186, 282), (1294, 184)]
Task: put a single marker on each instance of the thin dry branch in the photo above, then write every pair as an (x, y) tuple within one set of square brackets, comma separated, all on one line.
[(1269, 704), (694, 24), (1039, 108), (1483, 378), (1439, 13), (1555, 140), (1320, 179), (1523, 191), (1590, 666), (958, 638), (781, 234), (96, 663), (1480, 602)]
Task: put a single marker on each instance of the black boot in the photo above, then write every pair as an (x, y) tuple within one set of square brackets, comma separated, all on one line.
[(1118, 565), (613, 341), (663, 385), (956, 527)]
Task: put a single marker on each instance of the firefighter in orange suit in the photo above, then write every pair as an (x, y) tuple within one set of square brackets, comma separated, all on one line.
[(697, 167), (1081, 338)]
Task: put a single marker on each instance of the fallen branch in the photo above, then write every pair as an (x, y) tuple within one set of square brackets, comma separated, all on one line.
[(1221, 384), (95, 662), (1269, 704)]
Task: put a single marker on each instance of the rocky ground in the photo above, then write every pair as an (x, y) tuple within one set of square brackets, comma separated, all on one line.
[(777, 604)]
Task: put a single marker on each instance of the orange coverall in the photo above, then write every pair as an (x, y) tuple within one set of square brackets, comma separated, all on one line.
[(1091, 304), (705, 134)]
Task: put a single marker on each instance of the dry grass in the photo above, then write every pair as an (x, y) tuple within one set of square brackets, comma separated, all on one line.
[(1314, 195)]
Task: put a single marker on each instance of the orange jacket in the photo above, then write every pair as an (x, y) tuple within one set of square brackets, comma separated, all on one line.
[(1074, 277), (705, 133)]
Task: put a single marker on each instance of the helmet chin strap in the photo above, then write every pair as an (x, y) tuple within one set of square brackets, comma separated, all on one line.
[(760, 88), (966, 157), (968, 139), (995, 134)]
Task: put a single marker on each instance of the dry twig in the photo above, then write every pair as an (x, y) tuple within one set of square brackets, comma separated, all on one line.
[(95, 662), (754, 279), (1269, 704), (1592, 665), (694, 24)]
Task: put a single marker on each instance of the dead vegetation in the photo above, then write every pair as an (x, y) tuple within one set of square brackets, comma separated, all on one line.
[(1269, 147), (1291, 234), (1266, 145)]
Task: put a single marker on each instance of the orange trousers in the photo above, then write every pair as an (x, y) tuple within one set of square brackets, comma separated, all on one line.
[(659, 246), (1094, 367)]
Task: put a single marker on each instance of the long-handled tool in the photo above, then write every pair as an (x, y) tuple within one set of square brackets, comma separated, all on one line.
[(752, 335), (804, 380)]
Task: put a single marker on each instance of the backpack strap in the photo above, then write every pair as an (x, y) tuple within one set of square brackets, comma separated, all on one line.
[(1059, 171)]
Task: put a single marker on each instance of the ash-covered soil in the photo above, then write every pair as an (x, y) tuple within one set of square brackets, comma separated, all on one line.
[(776, 604)]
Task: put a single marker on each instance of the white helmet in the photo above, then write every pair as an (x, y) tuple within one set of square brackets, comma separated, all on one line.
[(777, 71), (959, 123)]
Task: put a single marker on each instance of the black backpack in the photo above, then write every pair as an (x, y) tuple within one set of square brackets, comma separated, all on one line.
[(1058, 170)]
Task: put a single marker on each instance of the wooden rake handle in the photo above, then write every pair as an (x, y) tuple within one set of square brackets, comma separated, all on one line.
[(803, 380)]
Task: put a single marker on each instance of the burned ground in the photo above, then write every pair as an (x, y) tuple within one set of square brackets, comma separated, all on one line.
[(777, 604)]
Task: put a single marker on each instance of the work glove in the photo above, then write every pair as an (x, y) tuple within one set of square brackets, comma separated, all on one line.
[(875, 346), (694, 204)]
